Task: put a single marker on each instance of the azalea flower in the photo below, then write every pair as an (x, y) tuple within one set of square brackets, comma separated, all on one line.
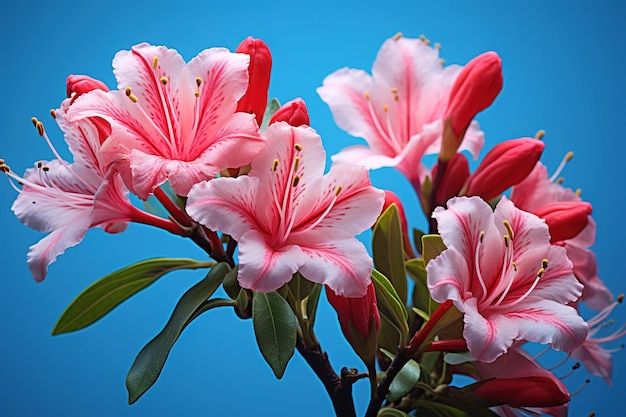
[(538, 191), (66, 199), (401, 108), (287, 216), (501, 271), (174, 121)]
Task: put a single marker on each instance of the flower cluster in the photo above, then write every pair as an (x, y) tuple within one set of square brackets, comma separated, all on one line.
[(505, 263)]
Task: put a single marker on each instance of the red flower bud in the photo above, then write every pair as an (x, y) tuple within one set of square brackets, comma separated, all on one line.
[(78, 85), (566, 219), (359, 320), (293, 112), (505, 165), (474, 90), (391, 198), (531, 391), (255, 99), (457, 172)]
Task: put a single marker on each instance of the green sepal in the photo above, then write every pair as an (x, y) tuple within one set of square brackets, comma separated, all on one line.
[(405, 380), (149, 362), (275, 328), (300, 287), (390, 305), (388, 250), (231, 284), (432, 246), (272, 106), (107, 293)]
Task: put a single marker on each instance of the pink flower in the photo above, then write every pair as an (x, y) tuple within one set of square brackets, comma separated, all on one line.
[(287, 216), (399, 110), (501, 271), (174, 121), (536, 192), (66, 199)]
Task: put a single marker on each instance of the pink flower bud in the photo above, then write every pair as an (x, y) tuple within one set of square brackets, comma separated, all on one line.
[(391, 198), (255, 99), (505, 165), (457, 172), (566, 219), (474, 90), (78, 85), (359, 320), (293, 112), (531, 391)]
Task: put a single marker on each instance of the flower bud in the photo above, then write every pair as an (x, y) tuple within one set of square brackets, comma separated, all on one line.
[(359, 320), (391, 198), (78, 85), (566, 219), (474, 90), (255, 99), (505, 165), (531, 391), (293, 112), (457, 172)]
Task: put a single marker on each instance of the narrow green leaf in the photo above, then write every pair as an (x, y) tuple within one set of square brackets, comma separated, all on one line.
[(417, 239), (432, 246), (390, 305), (107, 293), (392, 412), (272, 106), (405, 380), (388, 250), (421, 296), (149, 362), (275, 327)]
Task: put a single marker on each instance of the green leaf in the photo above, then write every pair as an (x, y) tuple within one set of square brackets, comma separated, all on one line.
[(417, 239), (275, 327), (388, 250), (405, 380), (390, 305), (231, 284), (392, 412), (272, 106), (421, 296), (149, 362), (300, 287), (107, 293), (432, 246)]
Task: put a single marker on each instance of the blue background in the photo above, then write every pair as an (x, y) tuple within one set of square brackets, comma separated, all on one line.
[(563, 72)]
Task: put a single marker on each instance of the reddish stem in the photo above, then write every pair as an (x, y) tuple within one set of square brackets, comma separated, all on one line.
[(454, 345), (176, 212), (140, 216)]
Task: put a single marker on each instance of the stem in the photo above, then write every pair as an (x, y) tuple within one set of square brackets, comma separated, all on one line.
[(339, 388), (140, 216), (441, 171), (176, 212)]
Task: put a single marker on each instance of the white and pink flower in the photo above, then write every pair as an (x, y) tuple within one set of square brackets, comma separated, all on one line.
[(288, 216)]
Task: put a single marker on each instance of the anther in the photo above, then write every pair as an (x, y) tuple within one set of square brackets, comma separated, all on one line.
[(39, 164), (40, 128), (544, 263), (509, 229), (128, 91), (506, 240), (296, 164), (540, 134), (397, 36), (385, 108), (198, 81), (442, 61), (481, 236), (298, 147), (437, 46), (514, 265), (4, 167), (34, 120), (337, 190), (197, 94), (275, 165), (45, 168), (541, 272), (422, 38), (130, 94), (560, 180), (579, 192), (296, 180), (394, 90), (569, 156), (163, 80), (367, 95), (155, 62), (592, 414), (620, 298), (53, 113)]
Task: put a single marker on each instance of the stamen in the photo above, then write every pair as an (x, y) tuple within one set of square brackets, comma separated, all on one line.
[(568, 157), (574, 367), (275, 165), (39, 164), (296, 180), (198, 81), (197, 94), (579, 390), (560, 180), (540, 134), (130, 95), (394, 90), (45, 168), (39, 127), (397, 36), (541, 272), (298, 147), (514, 264), (53, 113), (337, 190), (506, 240), (367, 95), (385, 108), (509, 229), (442, 61), (620, 298), (155, 62), (34, 120), (481, 281), (296, 164), (579, 192), (544, 264), (438, 46), (163, 80)]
